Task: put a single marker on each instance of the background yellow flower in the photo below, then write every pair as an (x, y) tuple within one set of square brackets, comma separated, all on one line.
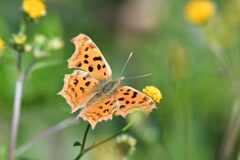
[(1, 43), (199, 11), (34, 8)]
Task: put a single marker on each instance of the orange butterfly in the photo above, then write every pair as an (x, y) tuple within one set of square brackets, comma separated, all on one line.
[(93, 88)]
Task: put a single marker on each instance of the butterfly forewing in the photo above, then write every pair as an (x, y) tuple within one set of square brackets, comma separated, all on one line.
[(78, 88), (88, 57), (130, 99)]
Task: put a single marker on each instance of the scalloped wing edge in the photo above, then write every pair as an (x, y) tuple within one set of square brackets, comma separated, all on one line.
[(74, 40)]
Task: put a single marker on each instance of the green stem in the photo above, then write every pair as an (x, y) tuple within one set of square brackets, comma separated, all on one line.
[(29, 67), (101, 142), (16, 116), (17, 104), (95, 145), (19, 62), (83, 143), (85, 150)]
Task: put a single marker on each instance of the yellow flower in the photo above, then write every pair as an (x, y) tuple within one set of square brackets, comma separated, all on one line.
[(153, 92), (34, 8), (1, 43), (199, 11), (19, 39)]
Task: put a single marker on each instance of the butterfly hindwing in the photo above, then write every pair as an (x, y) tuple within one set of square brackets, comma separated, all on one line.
[(101, 110), (78, 88), (88, 57), (130, 99)]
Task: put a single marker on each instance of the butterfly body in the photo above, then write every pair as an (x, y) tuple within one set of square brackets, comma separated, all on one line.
[(112, 85), (105, 90), (93, 89)]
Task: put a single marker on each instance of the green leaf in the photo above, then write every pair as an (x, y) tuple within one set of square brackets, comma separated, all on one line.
[(41, 65), (77, 143)]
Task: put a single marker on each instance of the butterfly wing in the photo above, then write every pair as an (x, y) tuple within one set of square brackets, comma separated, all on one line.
[(124, 101), (101, 110), (88, 57), (78, 88), (130, 99)]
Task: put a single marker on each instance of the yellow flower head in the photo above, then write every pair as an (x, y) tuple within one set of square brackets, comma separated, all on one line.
[(1, 43), (19, 39), (199, 11), (153, 92), (34, 8)]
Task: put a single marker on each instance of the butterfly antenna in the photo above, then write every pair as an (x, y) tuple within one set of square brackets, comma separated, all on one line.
[(129, 57), (145, 75)]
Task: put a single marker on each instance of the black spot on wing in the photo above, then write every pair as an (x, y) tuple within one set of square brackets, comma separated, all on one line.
[(106, 110), (107, 102), (121, 99), (87, 83), (97, 58), (78, 64), (99, 67), (134, 94), (90, 69), (145, 98), (151, 103), (121, 107), (82, 89), (75, 82)]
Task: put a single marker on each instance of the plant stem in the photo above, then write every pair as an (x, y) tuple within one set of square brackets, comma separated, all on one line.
[(85, 150), (17, 104), (63, 124), (16, 115), (83, 142), (229, 140), (101, 142), (19, 62), (29, 67)]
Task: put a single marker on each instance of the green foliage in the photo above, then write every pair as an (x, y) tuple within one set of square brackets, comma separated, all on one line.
[(198, 97)]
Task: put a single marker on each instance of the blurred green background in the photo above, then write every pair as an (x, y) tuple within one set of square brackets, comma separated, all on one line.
[(200, 105)]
